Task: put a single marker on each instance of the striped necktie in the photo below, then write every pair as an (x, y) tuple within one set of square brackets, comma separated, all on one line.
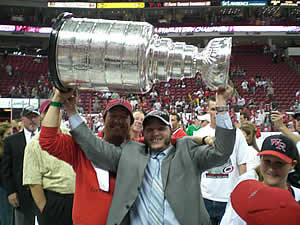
[(156, 206)]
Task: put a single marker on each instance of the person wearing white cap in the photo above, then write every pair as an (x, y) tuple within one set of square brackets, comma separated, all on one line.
[(204, 120), (12, 168)]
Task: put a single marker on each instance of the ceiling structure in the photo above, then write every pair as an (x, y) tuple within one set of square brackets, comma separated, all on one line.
[(36, 13)]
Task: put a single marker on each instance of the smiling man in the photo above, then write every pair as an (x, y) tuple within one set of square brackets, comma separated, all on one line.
[(94, 187), (152, 177)]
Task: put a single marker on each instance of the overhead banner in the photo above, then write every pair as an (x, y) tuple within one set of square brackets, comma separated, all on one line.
[(224, 29)]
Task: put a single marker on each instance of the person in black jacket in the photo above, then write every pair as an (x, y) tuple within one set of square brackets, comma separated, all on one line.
[(5, 207), (12, 168)]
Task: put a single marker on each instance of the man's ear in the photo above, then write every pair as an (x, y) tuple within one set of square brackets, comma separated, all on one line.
[(294, 163)]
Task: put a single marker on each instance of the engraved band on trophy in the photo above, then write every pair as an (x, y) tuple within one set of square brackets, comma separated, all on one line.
[(112, 55)]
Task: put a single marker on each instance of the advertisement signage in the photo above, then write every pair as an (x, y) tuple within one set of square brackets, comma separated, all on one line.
[(244, 3), (119, 5)]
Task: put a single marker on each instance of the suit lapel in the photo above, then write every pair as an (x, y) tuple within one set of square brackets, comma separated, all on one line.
[(143, 160), (165, 168), (22, 139)]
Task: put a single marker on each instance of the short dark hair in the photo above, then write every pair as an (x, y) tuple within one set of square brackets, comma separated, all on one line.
[(211, 98), (177, 116), (246, 115)]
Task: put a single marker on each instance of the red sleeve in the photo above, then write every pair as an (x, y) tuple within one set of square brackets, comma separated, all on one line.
[(100, 134), (177, 135), (59, 145)]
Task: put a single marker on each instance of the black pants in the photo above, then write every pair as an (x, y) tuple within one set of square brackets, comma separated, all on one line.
[(25, 214), (58, 209)]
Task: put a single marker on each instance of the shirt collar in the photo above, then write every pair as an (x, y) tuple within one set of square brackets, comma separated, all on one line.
[(28, 133), (164, 152)]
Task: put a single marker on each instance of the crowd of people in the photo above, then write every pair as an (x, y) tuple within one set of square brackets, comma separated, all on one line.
[(136, 171)]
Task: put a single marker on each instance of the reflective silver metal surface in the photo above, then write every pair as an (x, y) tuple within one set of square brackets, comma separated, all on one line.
[(111, 55)]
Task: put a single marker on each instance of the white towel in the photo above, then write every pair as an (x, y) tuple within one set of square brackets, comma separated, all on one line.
[(103, 178)]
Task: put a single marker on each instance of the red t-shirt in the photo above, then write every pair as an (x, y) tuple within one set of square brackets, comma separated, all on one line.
[(91, 204)]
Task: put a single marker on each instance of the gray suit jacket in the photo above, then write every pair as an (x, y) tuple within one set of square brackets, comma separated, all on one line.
[(181, 170)]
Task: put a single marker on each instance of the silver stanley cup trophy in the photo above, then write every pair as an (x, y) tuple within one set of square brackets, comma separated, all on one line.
[(112, 55)]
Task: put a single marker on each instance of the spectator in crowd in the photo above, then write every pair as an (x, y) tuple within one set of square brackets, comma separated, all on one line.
[(244, 85), (244, 116), (241, 102), (6, 210), (134, 102), (193, 127), (249, 131), (225, 176), (96, 106), (277, 158), (277, 120), (153, 96), (12, 168), (157, 105), (51, 181), (252, 85), (177, 131), (94, 186), (298, 97), (133, 191), (137, 126), (107, 95), (115, 95), (13, 92), (204, 120), (9, 70), (270, 92), (275, 58)]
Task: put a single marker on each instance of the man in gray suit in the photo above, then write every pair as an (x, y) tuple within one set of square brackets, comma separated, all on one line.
[(157, 183)]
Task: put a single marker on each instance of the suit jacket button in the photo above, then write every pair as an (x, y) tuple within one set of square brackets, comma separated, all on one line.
[(127, 206), (138, 188)]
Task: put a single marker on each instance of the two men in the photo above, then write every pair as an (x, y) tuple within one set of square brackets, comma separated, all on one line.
[(154, 175), (94, 186)]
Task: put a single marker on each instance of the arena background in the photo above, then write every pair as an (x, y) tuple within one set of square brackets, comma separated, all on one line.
[(259, 29)]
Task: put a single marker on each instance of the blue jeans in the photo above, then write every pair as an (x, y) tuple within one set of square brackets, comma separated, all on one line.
[(6, 210), (215, 210)]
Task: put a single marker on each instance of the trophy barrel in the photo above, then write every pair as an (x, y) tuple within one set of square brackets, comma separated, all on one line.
[(126, 56), (103, 55)]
